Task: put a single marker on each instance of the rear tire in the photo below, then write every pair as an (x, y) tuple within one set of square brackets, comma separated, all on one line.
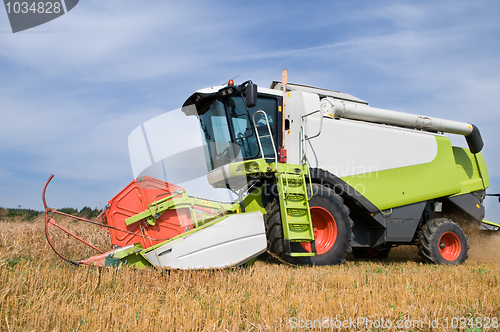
[(333, 230), (442, 241)]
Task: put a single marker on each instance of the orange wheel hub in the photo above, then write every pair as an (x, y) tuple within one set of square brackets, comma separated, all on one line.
[(325, 230), (450, 246)]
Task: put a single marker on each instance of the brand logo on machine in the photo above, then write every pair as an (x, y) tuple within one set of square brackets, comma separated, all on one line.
[(27, 14)]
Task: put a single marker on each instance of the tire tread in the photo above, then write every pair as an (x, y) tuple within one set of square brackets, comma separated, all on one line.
[(427, 238)]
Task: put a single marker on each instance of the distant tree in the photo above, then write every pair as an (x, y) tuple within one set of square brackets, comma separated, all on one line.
[(24, 214), (85, 212), (68, 210), (88, 213), (95, 213), (3, 213)]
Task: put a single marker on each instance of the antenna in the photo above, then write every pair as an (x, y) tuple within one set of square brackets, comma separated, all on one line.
[(232, 79), (283, 82)]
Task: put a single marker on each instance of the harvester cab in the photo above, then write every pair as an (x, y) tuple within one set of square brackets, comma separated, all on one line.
[(314, 174)]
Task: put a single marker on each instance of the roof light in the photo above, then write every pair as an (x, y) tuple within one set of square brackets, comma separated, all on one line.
[(230, 83)]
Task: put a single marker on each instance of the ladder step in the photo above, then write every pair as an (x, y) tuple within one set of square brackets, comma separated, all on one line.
[(299, 201), (293, 178), (297, 216), (292, 175), (298, 222), (294, 182), (294, 191), (298, 234), (300, 205)]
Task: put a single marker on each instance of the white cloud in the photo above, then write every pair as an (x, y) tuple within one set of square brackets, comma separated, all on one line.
[(69, 99), (116, 41)]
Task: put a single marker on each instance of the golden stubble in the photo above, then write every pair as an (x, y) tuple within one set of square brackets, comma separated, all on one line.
[(40, 292)]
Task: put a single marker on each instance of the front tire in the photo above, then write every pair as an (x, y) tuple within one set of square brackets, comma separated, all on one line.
[(443, 242), (331, 223)]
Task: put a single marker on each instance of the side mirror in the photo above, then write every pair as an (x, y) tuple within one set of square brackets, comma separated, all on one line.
[(251, 94)]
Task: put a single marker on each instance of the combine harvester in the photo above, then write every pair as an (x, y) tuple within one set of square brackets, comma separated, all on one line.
[(317, 174)]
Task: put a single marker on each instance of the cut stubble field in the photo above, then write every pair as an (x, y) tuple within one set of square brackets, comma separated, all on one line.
[(40, 292)]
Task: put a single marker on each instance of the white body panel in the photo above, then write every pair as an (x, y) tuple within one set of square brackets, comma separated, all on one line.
[(347, 147), (230, 242), (219, 174), (297, 105)]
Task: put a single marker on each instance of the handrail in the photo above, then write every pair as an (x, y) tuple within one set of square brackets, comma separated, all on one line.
[(320, 125), (310, 180), (270, 136)]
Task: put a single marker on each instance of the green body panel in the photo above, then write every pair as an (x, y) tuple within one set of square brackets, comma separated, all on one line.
[(133, 257), (253, 201), (469, 174), (491, 223), (406, 185), (240, 171), (137, 260), (251, 262), (454, 171), (112, 261), (483, 171)]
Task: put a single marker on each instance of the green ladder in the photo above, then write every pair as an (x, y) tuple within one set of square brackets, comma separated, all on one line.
[(294, 205)]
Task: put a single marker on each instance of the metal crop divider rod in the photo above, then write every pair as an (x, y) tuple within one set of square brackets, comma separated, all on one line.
[(51, 222)]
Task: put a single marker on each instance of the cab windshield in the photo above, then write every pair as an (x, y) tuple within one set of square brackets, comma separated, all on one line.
[(229, 132)]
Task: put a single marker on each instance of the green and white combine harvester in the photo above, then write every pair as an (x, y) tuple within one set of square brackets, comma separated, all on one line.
[(317, 174)]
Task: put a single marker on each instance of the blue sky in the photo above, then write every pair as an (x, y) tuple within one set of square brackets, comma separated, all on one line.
[(72, 90)]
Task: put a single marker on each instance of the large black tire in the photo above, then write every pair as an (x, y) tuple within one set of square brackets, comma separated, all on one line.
[(442, 241), (366, 253), (331, 249)]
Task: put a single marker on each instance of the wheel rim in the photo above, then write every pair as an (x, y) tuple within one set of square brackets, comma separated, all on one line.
[(325, 230), (450, 246)]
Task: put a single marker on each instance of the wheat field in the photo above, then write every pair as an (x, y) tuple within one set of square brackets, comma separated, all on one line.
[(40, 292)]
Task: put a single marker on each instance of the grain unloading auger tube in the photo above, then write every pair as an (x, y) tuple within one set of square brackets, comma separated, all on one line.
[(152, 222), (355, 111)]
